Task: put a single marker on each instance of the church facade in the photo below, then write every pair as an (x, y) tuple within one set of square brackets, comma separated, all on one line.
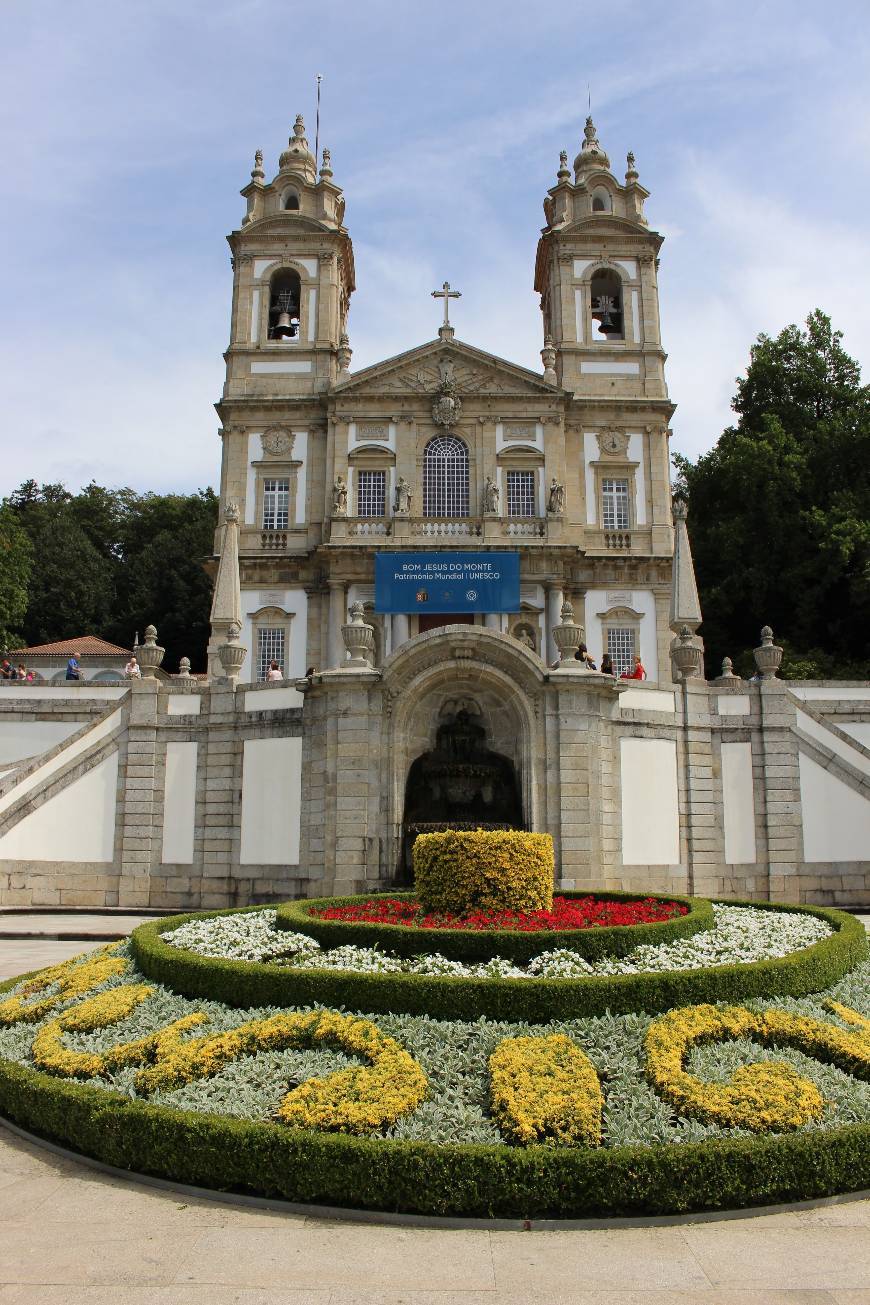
[(445, 446), (338, 720)]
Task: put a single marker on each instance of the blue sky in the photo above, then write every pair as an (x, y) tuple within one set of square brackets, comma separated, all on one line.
[(128, 129)]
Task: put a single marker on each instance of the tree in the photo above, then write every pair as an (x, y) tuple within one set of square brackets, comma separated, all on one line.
[(71, 589), (165, 540), (111, 562), (16, 564), (780, 508)]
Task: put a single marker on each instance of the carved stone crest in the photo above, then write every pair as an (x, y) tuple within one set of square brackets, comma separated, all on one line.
[(446, 406), (277, 442)]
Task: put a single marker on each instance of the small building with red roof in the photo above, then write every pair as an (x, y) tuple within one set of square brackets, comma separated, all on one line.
[(97, 658)]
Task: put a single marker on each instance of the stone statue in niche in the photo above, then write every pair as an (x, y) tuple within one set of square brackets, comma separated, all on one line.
[(524, 635), (339, 497), (556, 499), (402, 497), (490, 497)]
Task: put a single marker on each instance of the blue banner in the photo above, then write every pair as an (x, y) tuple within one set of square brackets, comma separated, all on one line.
[(447, 582)]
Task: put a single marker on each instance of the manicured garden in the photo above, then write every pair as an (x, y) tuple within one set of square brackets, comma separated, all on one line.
[(724, 1067)]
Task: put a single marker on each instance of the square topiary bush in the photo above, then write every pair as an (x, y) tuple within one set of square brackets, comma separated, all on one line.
[(460, 871)]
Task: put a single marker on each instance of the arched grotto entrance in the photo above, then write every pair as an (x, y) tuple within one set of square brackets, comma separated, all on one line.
[(459, 784)]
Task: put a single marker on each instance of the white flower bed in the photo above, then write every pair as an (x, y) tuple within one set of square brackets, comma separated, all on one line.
[(741, 934)]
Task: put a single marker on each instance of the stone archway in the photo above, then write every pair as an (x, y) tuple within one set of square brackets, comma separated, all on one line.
[(460, 783), (427, 683)]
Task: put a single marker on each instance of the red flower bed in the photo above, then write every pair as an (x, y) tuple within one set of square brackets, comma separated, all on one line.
[(567, 913)]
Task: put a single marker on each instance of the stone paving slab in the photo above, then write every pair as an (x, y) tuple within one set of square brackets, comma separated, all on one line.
[(68, 924), (71, 1236)]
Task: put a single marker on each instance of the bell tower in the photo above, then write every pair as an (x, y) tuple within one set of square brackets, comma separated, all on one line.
[(293, 276), (596, 275)]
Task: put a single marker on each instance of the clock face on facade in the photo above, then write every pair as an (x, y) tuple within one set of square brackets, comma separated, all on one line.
[(613, 441)]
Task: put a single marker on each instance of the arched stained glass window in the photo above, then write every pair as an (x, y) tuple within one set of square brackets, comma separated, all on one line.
[(445, 478)]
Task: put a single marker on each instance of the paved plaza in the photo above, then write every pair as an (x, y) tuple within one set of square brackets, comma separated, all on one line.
[(73, 1236)]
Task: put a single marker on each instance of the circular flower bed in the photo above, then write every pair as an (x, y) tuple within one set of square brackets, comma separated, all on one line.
[(591, 925), (703, 1106)]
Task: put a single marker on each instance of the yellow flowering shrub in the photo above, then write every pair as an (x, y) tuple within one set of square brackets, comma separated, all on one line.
[(545, 1090), (761, 1096), (107, 1008), (460, 871), (359, 1099), (75, 977)]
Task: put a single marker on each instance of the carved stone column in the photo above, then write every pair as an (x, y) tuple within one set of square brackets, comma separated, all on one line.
[(553, 617), (492, 620), (401, 630), (336, 654)]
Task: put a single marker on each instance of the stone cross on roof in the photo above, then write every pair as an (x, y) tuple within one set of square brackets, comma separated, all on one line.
[(446, 294)]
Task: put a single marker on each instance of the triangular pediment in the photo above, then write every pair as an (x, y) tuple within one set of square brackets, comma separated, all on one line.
[(422, 371)]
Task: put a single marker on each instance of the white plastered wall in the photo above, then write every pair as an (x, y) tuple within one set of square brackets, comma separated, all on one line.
[(77, 824), (650, 814), (738, 799), (179, 804), (295, 603), (643, 601), (836, 819), (20, 739), (271, 792), (255, 454)]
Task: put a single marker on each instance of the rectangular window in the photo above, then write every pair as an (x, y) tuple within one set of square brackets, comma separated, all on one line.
[(276, 504), (620, 645), (614, 495), (270, 648), (521, 494), (371, 493)]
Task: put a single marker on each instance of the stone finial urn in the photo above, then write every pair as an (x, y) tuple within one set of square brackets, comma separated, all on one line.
[(567, 636), (548, 358), (184, 668), (688, 656), (359, 638), (767, 656), (232, 653), (150, 654)]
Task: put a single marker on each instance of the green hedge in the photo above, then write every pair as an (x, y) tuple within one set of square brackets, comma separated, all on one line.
[(330, 1169), (471, 945), (245, 983)]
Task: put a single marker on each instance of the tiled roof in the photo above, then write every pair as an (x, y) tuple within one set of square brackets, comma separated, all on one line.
[(86, 645)]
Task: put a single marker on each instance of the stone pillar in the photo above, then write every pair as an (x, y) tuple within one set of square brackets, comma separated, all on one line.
[(335, 649), (700, 821), (401, 630), (781, 787), (553, 617), (220, 807), (492, 620), (139, 833)]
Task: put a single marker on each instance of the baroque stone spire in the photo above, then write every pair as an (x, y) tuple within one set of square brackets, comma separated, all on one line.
[(685, 604), (226, 603), (591, 157), (298, 157)]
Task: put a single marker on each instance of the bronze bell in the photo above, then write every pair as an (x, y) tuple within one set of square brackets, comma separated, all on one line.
[(284, 326)]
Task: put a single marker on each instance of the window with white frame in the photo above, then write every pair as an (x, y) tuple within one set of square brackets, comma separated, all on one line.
[(521, 494), (270, 648), (276, 504), (614, 504), (445, 478), (371, 493), (621, 646)]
